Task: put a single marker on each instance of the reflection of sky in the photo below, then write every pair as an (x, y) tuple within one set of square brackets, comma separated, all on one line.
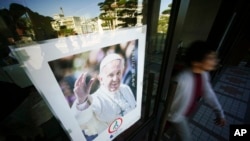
[(87, 8), (164, 5)]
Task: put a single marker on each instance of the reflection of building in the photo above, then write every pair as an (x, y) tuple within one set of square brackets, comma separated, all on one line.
[(77, 24), (70, 22), (91, 25)]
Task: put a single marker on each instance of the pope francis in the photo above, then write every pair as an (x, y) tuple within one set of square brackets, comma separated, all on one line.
[(96, 111)]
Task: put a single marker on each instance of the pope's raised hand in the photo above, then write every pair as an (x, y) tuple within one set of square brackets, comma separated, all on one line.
[(82, 89)]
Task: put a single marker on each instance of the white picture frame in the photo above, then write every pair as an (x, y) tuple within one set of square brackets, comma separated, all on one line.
[(36, 60)]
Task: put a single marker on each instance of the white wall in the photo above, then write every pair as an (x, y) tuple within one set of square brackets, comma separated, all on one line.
[(199, 20)]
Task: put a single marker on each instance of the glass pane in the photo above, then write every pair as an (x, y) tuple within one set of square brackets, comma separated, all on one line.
[(156, 43), (25, 20)]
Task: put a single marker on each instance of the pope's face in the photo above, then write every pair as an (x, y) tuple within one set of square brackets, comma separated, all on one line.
[(112, 75)]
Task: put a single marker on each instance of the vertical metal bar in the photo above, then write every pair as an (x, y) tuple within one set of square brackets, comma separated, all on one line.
[(213, 74), (225, 33), (150, 87), (162, 42), (151, 134), (167, 105)]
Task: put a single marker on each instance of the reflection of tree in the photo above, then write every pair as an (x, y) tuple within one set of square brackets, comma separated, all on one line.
[(66, 31), (9, 27), (127, 13), (108, 13), (24, 24), (163, 20), (167, 11), (163, 24), (41, 26), (118, 13)]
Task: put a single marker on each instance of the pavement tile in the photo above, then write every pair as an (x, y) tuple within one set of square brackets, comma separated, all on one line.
[(235, 80), (233, 91), (236, 71)]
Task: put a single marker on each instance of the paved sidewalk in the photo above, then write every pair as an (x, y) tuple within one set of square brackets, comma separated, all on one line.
[(233, 91)]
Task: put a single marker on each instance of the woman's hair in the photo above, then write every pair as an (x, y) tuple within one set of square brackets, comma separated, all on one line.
[(197, 52)]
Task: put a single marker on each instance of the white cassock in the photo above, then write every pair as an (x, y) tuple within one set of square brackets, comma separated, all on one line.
[(105, 107)]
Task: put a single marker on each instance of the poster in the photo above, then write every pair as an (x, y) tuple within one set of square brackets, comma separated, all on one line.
[(91, 82)]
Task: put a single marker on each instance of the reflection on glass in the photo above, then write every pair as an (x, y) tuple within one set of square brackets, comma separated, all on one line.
[(164, 16), (25, 20)]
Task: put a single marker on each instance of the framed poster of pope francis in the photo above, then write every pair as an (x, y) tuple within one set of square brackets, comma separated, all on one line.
[(92, 82)]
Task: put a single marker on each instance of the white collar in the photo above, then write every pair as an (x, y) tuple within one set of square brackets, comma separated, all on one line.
[(107, 92)]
